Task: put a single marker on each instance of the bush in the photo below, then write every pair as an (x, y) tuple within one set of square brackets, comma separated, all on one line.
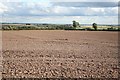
[(88, 29), (69, 28)]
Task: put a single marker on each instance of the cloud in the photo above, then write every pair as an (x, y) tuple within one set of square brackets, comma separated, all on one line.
[(59, 12), (63, 19), (52, 9), (3, 8), (25, 9), (84, 0), (86, 4)]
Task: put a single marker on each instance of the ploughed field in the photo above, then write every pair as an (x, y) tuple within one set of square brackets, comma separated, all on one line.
[(57, 53)]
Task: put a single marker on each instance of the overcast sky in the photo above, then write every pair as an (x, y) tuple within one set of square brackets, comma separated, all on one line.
[(59, 12)]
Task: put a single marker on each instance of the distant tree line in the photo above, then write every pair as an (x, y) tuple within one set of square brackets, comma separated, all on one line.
[(35, 27), (74, 26)]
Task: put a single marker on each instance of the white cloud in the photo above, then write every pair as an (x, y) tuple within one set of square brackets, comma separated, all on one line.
[(59, 0), (47, 9), (3, 8), (115, 10), (48, 13), (64, 19), (105, 11), (60, 10)]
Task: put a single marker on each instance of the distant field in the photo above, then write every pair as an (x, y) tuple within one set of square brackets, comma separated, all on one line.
[(59, 53), (101, 27)]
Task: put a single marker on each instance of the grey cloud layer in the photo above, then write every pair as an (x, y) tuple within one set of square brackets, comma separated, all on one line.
[(87, 4)]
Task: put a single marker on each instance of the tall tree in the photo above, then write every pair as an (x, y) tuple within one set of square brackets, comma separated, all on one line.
[(94, 26), (76, 24)]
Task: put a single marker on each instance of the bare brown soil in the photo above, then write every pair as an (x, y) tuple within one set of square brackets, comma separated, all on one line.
[(55, 54)]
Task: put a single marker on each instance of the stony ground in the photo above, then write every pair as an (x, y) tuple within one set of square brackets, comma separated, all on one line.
[(55, 54), (1, 55)]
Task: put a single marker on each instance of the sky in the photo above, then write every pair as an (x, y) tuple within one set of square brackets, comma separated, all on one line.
[(59, 11)]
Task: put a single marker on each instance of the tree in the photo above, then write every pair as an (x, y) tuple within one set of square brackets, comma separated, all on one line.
[(94, 26), (76, 24)]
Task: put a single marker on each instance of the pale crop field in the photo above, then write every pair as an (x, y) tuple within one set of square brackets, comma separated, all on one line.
[(100, 27)]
